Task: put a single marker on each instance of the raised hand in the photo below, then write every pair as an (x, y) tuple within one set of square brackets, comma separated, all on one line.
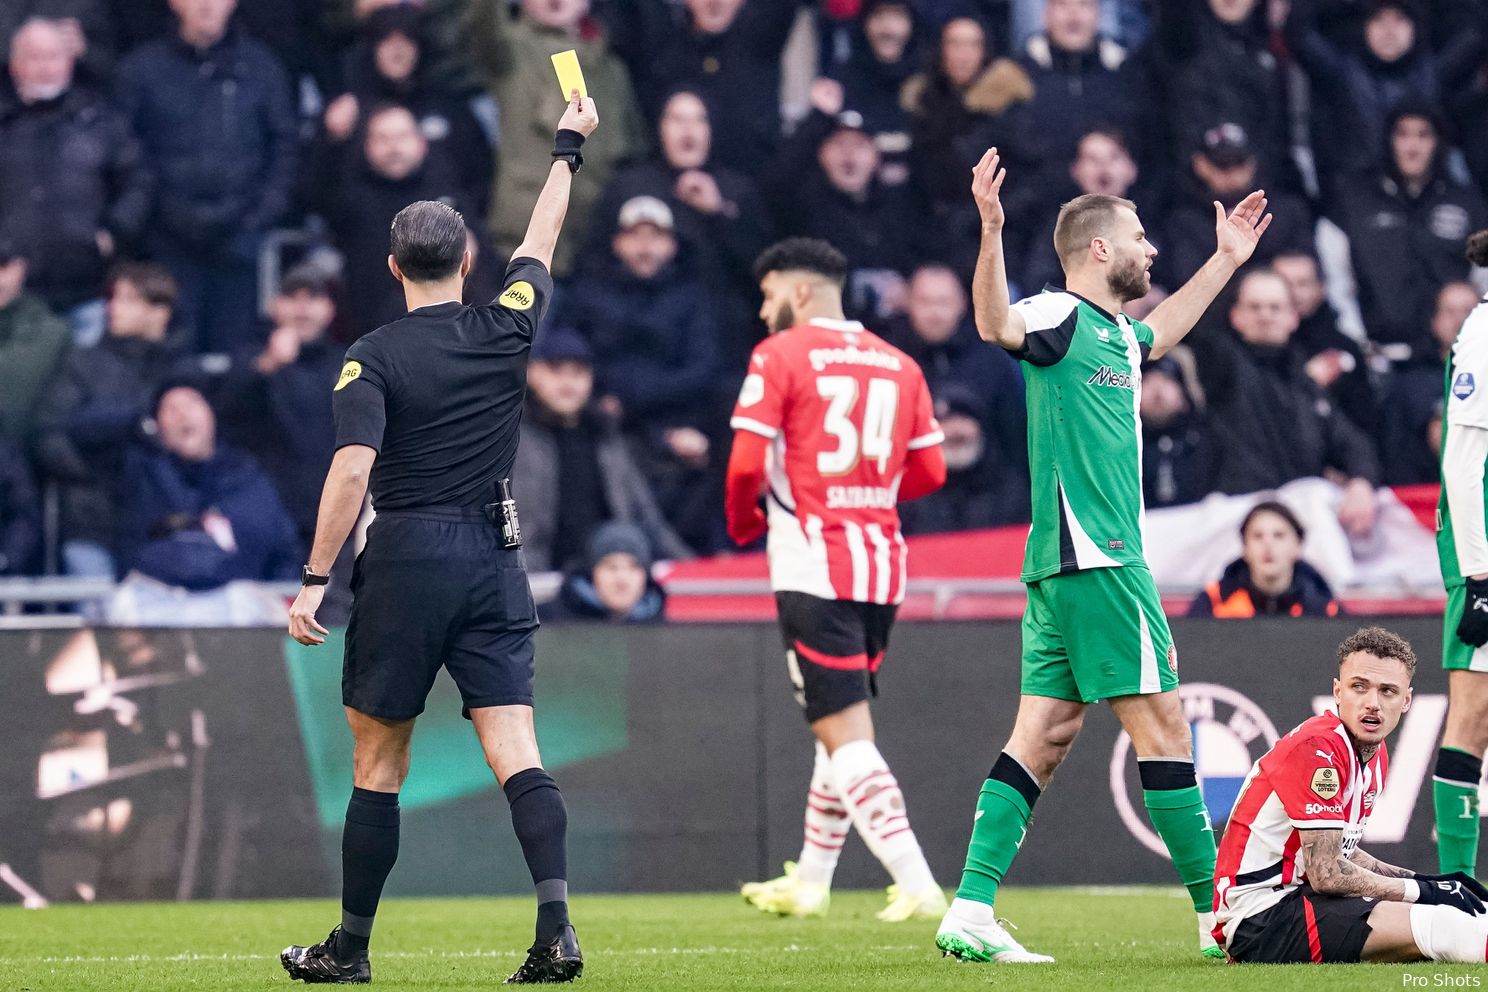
[(986, 189), (1240, 232), (581, 115)]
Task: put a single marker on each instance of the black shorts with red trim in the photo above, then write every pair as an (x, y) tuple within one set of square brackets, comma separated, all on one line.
[(1303, 928), (834, 648)]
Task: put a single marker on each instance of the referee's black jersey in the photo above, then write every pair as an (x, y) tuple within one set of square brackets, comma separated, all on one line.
[(438, 394)]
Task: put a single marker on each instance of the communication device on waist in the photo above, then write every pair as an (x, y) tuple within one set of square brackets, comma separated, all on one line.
[(504, 515)]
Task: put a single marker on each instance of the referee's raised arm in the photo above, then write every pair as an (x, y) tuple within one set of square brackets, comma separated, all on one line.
[(579, 121)]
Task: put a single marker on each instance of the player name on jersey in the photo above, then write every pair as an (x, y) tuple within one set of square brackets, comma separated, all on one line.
[(843, 409)]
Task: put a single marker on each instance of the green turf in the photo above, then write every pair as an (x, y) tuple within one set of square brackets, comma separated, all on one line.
[(1124, 939)]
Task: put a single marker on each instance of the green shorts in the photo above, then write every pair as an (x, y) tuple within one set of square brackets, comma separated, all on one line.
[(1095, 634), (1457, 656)]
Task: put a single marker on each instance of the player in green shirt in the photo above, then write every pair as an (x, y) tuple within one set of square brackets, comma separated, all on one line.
[(1094, 627), (1462, 547)]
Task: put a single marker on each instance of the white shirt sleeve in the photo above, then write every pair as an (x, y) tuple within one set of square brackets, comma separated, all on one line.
[(1467, 399), (1462, 475)]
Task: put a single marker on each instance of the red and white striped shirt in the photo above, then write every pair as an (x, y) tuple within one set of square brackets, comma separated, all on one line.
[(843, 409), (1311, 780)]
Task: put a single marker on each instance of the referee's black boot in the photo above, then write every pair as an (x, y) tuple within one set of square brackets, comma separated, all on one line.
[(319, 964), (556, 960)]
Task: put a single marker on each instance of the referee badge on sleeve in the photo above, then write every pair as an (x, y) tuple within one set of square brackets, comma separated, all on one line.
[(518, 296), (349, 371)]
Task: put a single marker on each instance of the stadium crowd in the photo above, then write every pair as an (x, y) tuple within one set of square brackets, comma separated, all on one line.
[(195, 198)]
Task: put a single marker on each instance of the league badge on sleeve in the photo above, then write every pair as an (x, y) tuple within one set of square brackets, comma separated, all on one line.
[(349, 371), (1325, 783), (1463, 385), (753, 390)]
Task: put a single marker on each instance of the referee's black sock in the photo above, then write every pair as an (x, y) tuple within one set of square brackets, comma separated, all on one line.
[(541, 822), (369, 847)]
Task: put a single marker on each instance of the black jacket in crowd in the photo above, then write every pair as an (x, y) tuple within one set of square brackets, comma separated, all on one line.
[(220, 133), (1180, 460), (1234, 597), (736, 72), (89, 416), (1406, 247), (1076, 92), (1189, 229), (284, 420), (20, 512), (69, 168), (1277, 423)]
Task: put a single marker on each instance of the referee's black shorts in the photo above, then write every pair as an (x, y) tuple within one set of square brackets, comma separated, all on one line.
[(434, 587)]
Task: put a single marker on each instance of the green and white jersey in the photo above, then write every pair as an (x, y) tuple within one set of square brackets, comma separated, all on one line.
[(1463, 550), (1083, 367)]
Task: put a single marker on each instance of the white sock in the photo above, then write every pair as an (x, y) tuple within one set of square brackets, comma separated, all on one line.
[(876, 805), (1446, 934), (827, 824), (970, 911)]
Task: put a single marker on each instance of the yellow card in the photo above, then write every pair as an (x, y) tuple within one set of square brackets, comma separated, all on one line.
[(570, 76)]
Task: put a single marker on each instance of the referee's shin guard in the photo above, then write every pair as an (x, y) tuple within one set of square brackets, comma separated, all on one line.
[(540, 820)]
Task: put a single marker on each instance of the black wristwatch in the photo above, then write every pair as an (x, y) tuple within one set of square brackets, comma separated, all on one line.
[(309, 578), (566, 145)]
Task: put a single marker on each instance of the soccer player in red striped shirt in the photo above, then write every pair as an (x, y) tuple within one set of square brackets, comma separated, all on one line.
[(835, 426), (1291, 885)]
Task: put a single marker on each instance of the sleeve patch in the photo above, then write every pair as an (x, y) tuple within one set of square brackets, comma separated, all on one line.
[(753, 390), (1464, 385), (518, 296), (1325, 783), (351, 370)]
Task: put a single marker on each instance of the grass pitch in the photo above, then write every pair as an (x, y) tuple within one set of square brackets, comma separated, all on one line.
[(1127, 939)]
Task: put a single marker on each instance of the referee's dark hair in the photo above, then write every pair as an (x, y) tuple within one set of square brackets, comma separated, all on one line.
[(802, 255), (428, 241)]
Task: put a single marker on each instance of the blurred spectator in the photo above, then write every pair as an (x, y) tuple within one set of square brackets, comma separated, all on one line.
[(20, 512), (72, 182), (882, 56), (980, 490), (514, 56), (86, 25), (824, 184), (966, 102), (442, 24), (937, 332), (727, 51), (276, 402), (650, 325), (573, 471), (1079, 80), (1356, 86), (1180, 452), (33, 342), (386, 65), (1225, 168), (1406, 223), (1103, 163), (390, 169), (196, 512), (721, 221), (1410, 436), (1269, 578), (615, 584), (100, 403), (215, 114), (1334, 360), (1213, 60), (1284, 426)]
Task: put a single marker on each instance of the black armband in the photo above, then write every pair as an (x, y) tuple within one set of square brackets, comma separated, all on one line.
[(566, 145)]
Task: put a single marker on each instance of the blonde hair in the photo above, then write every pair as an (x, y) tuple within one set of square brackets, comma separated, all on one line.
[(1083, 219)]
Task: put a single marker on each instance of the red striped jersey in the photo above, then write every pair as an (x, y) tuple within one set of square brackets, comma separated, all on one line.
[(843, 409), (1311, 780)]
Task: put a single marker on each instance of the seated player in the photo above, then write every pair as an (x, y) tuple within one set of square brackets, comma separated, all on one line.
[(1292, 885)]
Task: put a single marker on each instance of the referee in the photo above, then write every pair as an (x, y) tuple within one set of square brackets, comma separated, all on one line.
[(427, 409)]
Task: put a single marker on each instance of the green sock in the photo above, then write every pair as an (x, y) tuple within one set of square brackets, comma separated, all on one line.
[(1454, 792), (1002, 820), (1183, 824)]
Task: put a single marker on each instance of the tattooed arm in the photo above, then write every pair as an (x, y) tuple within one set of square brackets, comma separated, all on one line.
[(1330, 873), (1370, 863)]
